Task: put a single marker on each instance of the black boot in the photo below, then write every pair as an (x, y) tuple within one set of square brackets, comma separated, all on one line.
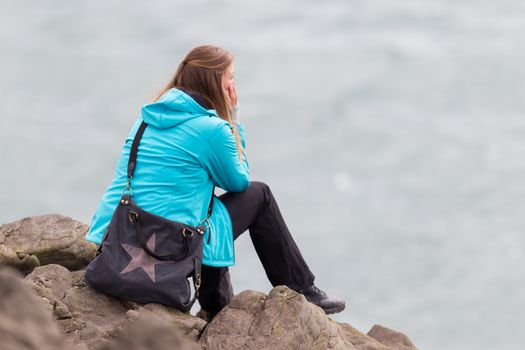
[(319, 298)]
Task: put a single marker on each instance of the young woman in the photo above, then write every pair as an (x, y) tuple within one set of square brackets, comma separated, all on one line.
[(193, 143)]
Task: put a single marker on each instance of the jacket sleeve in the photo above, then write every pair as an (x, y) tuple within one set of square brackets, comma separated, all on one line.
[(222, 162)]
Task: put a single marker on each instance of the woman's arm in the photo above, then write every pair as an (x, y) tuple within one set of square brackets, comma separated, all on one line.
[(222, 162)]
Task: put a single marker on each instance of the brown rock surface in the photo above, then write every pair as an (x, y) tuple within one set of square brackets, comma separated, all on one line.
[(24, 323), (360, 340), (41, 240), (148, 330), (68, 314), (282, 319), (88, 317), (391, 338), (286, 320)]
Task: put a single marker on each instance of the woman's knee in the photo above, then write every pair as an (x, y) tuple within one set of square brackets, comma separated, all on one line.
[(260, 186), (261, 189)]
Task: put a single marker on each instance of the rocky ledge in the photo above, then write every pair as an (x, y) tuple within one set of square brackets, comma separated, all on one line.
[(52, 307)]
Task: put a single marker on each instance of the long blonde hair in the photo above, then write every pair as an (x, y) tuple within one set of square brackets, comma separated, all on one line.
[(201, 71)]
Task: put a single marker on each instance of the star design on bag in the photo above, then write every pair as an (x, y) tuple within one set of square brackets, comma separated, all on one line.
[(140, 259)]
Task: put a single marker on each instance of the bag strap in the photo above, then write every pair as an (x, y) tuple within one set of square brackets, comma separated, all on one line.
[(132, 162), (196, 283), (141, 237), (171, 257)]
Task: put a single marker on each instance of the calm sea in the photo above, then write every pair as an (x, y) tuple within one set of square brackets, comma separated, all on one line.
[(391, 132)]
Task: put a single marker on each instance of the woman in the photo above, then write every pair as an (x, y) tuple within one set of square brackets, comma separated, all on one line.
[(193, 143)]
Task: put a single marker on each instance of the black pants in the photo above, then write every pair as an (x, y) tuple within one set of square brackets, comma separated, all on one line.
[(256, 210)]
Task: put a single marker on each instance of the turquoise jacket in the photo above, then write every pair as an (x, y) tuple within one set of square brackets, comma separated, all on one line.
[(185, 150)]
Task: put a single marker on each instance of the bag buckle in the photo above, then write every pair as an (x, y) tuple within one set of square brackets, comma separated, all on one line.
[(185, 232), (133, 217), (202, 228), (127, 188), (197, 281)]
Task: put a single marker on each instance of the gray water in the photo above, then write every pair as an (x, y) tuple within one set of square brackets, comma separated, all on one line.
[(391, 133)]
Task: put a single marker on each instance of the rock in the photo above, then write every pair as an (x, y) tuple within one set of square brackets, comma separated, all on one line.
[(68, 314), (24, 322), (391, 338), (187, 324), (232, 326), (148, 330), (286, 320), (41, 240), (360, 340), (88, 317), (283, 320), (92, 316)]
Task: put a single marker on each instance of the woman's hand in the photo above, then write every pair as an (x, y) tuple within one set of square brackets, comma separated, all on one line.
[(231, 92)]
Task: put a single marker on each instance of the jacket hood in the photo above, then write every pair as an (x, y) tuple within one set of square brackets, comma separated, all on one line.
[(173, 108)]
